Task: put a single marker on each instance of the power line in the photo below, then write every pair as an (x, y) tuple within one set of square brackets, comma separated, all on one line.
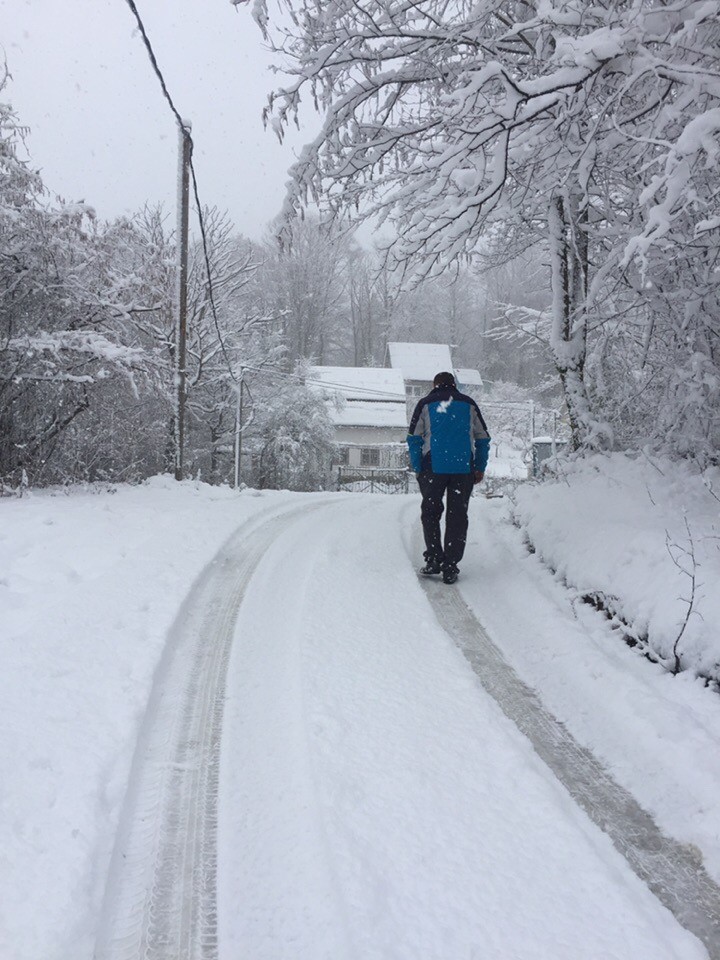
[(156, 68), (211, 293), (203, 234), (298, 378), (314, 381), (384, 394), (198, 205)]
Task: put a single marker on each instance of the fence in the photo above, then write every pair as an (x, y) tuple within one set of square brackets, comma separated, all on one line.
[(516, 427), (525, 419), (373, 480)]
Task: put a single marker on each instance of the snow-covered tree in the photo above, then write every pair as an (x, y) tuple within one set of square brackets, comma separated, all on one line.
[(59, 337), (225, 333), (304, 285), (478, 126), (292, 436)]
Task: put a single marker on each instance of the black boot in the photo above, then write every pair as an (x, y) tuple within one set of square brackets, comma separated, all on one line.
[(431, 569), (450, 573)]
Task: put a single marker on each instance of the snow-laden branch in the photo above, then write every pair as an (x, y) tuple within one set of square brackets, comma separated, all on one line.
[(428, 105), (69, 356)]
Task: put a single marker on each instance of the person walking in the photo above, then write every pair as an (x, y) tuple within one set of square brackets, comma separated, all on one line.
[(449, 445)]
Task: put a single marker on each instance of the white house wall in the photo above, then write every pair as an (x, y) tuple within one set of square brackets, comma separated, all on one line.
[(369, 436)]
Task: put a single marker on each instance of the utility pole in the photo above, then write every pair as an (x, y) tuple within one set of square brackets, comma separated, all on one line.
[(238, 430), (182, 277)]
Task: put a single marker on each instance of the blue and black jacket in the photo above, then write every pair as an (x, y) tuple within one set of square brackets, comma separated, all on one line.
[(447, 434)]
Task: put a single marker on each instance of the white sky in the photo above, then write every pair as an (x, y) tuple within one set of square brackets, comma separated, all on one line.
[(101, 130)]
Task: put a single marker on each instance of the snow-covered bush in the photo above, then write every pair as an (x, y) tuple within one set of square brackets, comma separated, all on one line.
[(291, 438)]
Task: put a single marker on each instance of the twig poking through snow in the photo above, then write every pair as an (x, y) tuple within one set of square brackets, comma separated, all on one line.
[(689, 552)]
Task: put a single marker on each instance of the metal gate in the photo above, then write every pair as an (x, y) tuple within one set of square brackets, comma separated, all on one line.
[(373, 480)]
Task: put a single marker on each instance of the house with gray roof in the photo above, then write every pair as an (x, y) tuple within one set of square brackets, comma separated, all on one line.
[(367, 408), (419, 362)]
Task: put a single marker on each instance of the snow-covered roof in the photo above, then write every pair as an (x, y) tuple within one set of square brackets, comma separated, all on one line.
[(360, 383), (467, 377), (420, 361), (361, 396), (359, 413)]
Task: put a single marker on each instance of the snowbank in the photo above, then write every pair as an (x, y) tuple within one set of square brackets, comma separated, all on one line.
[(657, 734), (89, 586), (641, 538), (507, 459)]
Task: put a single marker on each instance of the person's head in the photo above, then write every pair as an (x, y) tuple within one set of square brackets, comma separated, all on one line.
[(444, 379)]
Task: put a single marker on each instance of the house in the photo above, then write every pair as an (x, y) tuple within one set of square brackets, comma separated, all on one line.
[(370, 406), (419, 362), (367, 408), (469, 381)]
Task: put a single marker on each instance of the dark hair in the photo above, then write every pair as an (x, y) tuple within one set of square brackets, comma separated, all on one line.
[(444, 379)]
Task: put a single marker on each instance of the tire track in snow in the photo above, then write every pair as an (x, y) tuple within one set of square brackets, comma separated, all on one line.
[(279, 891), (673, 871), (160, 900)]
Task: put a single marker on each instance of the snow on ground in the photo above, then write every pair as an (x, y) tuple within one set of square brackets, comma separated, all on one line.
[(625, 528), (375, 803), (507, 460), (657, 733), (510, 449), (89, 586)]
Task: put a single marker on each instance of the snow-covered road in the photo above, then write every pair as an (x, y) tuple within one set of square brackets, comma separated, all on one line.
[(375, 802), (331, 764), (161, 893)]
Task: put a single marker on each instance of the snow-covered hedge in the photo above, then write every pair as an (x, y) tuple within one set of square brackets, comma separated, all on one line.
[(640, 537)]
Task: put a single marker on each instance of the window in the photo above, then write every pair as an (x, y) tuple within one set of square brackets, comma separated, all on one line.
[(417, 389), (342, 456), (369, 457)]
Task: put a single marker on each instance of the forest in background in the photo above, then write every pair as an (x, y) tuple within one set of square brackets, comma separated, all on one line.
[(484, 129), (548, 173), (87, 336)]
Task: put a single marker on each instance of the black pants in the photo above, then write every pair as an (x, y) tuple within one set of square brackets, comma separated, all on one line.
[(459, 487)]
